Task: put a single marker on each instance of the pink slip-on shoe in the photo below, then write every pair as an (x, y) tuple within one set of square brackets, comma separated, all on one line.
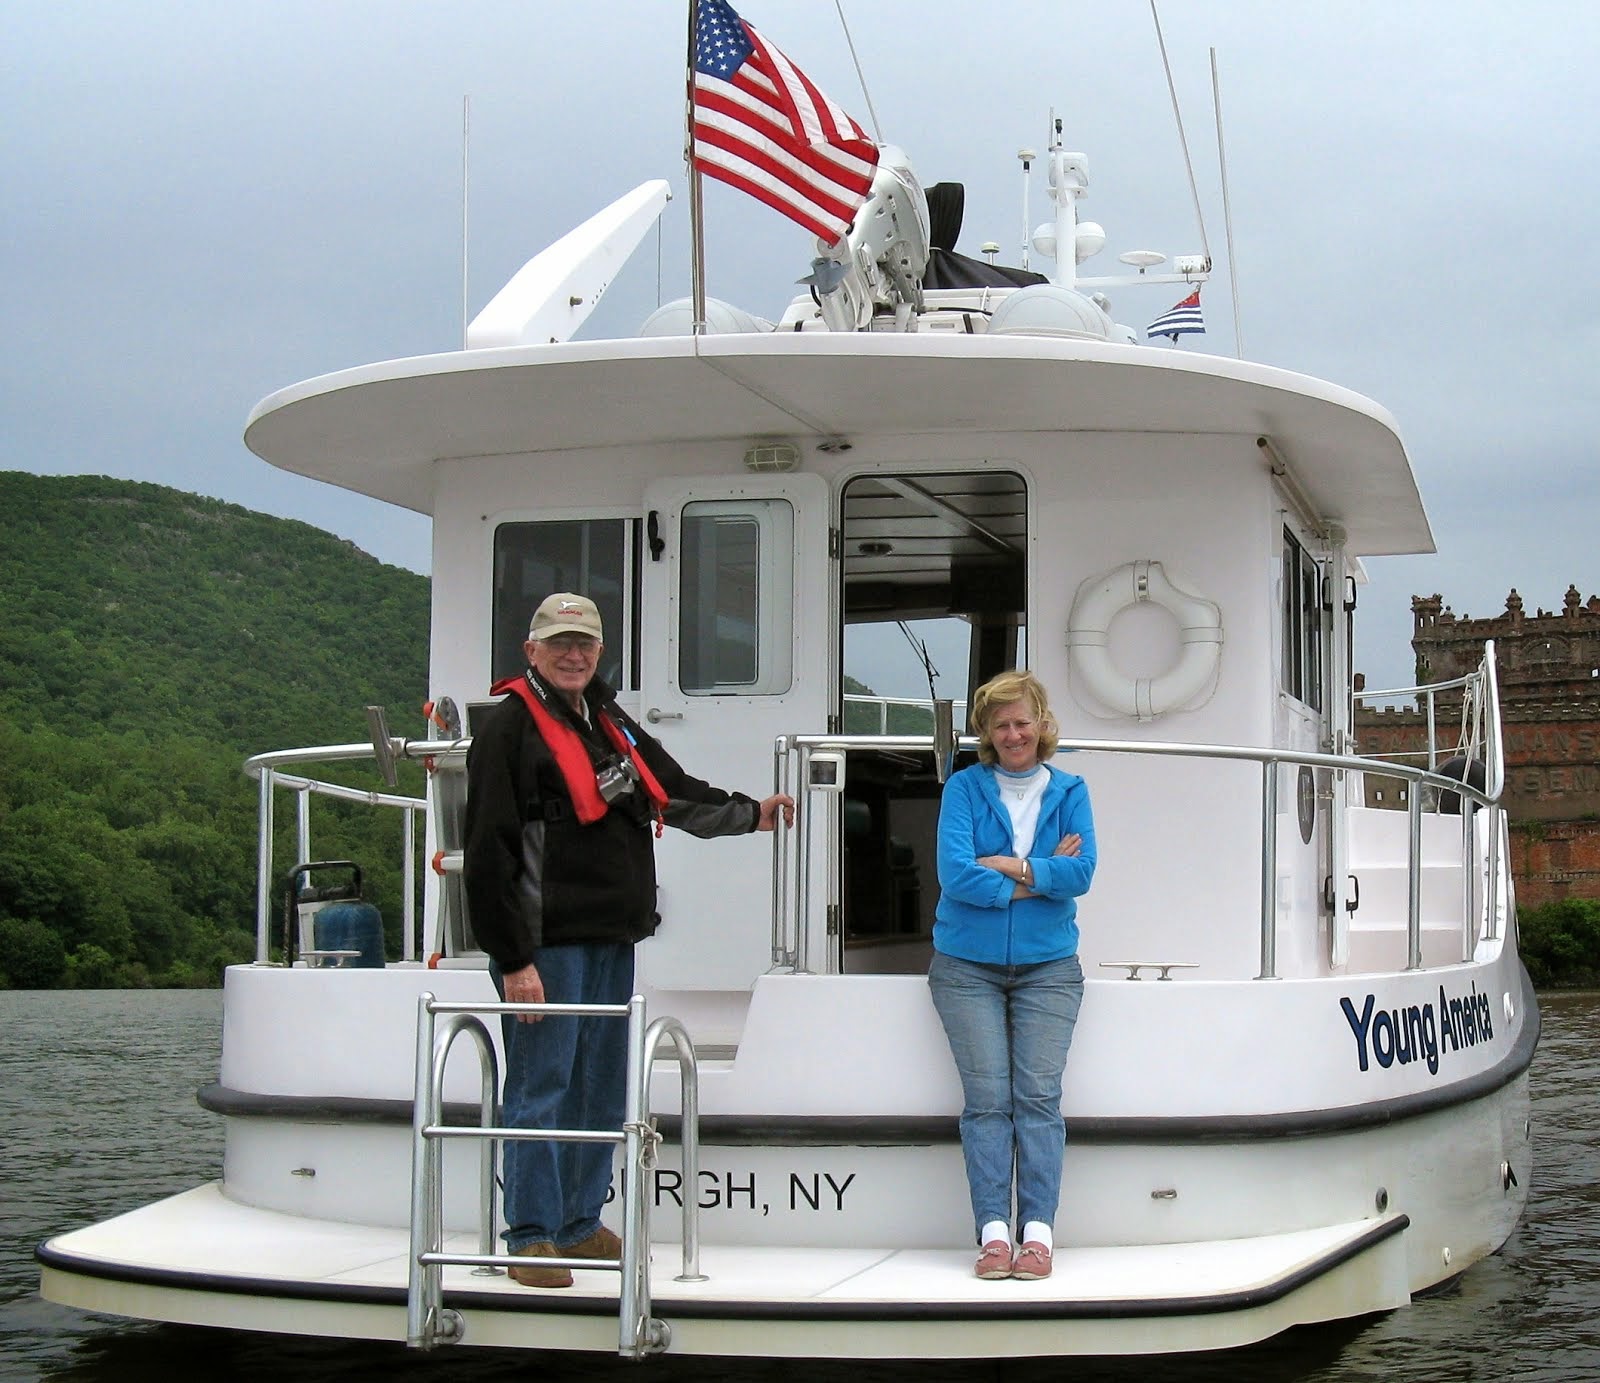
[(1032, 1262), (995, 1261)]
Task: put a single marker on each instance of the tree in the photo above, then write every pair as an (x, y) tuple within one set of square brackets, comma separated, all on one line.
[(149, 641), (31, 955), (1561, 943)]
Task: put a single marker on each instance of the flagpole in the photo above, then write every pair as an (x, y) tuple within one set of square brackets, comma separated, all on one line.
[(697, 239)]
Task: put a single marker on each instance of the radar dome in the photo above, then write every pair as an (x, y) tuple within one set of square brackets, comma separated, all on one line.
[(722, 319), (1048, 309)]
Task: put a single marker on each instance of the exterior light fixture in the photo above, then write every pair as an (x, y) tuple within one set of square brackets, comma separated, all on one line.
[(771, 456)]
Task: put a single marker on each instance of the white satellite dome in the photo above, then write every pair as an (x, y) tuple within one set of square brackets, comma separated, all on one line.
[(1047, 309), (722, 319)]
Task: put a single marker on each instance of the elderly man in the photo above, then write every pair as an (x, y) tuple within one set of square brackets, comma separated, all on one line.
[(565, 794)]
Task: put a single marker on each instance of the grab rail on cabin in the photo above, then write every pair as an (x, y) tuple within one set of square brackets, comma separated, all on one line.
[(428, 1321), (790, 935)]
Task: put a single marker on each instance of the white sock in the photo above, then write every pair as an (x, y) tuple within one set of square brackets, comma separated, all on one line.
[(1037, 1232), (995, 1229)]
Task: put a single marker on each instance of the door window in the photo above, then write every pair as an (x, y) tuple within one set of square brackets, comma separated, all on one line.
[(734, 599)]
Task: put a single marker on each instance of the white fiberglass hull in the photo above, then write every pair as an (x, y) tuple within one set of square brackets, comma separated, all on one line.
[(838, 1236)]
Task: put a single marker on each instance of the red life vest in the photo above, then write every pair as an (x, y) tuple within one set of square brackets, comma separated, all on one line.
[(577, 771)]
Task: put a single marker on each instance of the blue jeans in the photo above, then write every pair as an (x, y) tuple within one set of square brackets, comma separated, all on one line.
[(1009, 1028), (565, 1072)]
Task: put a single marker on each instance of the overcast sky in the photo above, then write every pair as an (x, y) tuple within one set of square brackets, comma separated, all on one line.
[(208, 201)]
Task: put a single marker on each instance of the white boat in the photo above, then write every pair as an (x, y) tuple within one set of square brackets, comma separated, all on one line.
[(1299, 1087)]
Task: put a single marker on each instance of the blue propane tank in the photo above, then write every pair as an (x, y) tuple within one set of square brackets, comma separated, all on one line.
[(352, 926), (333, 917)]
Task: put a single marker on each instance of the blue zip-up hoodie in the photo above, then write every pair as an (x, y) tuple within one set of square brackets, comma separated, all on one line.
[(977, 918)]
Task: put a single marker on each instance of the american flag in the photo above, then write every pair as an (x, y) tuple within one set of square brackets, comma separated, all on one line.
[(1183, 319), (761, 124)]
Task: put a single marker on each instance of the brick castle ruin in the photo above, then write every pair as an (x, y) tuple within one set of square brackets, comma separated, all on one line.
[(1549, 673)]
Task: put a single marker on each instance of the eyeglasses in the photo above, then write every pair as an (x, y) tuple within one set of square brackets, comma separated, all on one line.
[(572, 643)]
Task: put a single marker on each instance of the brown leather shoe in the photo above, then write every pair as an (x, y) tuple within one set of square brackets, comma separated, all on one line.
[(994, 1263), (541, 1277), (1032, 1263), (601, 1244)]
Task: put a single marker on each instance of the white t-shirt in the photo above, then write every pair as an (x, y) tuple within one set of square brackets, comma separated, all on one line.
[(1022, 793)]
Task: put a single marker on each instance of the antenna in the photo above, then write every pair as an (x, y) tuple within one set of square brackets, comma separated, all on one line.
[(1183, 141), (866, 95), (1027, 157), (920, 648), (466, 127), (1227, 209)]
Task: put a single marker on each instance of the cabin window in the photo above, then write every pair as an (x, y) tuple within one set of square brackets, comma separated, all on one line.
[(594, 557), (1304, 623), (734, 599)]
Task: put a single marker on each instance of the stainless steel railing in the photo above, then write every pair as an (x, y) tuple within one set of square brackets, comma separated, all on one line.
[(429, 1321), (793, 872), (1478, 734), (267, 770)]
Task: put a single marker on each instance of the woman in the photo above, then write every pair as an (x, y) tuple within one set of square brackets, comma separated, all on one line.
[(1016, 849)]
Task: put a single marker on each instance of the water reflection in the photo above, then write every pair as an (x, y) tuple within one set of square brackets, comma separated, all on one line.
[(99, 1106)]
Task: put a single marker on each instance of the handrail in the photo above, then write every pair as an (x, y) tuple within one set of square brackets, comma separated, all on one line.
[(264, 768), (790, 902), (428, 1321), (1268, 758), (1175, 749), (1495, 768), (1421, 689), (1480, 719)]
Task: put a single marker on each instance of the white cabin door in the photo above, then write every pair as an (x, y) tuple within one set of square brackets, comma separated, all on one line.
[(737, 649)]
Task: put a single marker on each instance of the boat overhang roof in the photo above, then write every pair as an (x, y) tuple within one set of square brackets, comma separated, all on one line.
[(379, 429)]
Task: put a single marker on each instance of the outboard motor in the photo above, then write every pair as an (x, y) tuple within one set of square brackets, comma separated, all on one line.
[(336, 926), (880, 262)]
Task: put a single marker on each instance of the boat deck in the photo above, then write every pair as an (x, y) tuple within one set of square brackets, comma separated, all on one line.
[(200, 1258)]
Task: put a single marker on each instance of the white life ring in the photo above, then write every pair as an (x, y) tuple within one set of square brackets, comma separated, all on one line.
[(1101, 599)]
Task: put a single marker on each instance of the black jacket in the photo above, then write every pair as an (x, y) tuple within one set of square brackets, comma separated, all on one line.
[(533, 875)]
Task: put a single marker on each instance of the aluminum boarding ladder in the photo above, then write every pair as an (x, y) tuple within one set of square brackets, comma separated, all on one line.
[(429, 1321)]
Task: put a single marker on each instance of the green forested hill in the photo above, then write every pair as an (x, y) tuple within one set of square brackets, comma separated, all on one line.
[(149, 640)]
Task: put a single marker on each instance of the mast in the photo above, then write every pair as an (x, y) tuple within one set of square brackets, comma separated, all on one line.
[(697, 239)]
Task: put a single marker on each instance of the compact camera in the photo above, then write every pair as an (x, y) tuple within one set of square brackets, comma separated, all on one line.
[(615, 777)]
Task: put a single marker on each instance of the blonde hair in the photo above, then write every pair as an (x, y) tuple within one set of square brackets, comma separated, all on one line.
[(1013, 685)]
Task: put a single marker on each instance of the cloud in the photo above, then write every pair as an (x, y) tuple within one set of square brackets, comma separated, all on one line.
[(208, 202)]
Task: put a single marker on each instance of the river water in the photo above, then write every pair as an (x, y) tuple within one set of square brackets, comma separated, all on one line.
[(98, 1112)]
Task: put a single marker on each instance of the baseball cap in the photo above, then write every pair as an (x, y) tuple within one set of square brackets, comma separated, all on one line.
[(565, 613)]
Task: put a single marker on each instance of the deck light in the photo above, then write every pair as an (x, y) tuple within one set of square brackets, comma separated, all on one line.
[(766, 457)]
